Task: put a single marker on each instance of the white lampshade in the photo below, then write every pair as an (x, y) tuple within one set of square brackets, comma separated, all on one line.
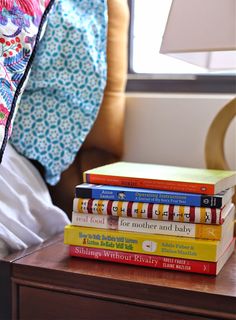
[(202, 32)]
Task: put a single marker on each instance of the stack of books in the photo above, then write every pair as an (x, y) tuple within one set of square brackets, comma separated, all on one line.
[(158, 216)]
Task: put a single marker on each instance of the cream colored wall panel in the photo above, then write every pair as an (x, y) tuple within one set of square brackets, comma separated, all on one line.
[(171, 128)]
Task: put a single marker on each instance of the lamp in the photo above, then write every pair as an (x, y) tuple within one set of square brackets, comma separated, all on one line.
[(202, 32)]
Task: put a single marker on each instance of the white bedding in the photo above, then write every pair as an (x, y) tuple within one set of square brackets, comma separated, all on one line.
[(27, 215)]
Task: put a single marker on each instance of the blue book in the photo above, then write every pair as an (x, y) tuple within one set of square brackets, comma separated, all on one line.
[(115, 193)]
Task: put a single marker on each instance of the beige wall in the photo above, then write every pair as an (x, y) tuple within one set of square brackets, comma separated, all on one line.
[(171, 128)]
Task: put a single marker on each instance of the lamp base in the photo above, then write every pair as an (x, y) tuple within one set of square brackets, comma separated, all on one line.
[(214, 145)]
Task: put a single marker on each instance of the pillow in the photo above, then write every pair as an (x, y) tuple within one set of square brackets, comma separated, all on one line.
[(65, 88), (27, 214), (21, 26)]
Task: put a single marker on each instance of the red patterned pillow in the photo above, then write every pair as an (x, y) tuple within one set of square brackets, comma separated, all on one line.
[(21, 27)]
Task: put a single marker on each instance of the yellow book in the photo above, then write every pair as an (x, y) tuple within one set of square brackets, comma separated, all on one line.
[(162, 245)]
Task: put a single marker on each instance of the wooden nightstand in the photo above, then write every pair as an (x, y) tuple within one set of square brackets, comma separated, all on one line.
[(48, 284)]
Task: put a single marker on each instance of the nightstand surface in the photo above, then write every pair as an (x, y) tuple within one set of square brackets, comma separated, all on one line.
[(48, 284)]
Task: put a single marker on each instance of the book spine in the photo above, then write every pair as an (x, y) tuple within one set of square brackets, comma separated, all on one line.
[(179, 186), (163, 245), (174, 198), (199, 231), (148, 210), (146, 260)]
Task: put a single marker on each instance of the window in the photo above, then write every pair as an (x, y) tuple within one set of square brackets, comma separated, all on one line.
[(151, 71)]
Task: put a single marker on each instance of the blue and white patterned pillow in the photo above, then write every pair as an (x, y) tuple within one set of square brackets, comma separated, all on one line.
[(21, 27), (66, 86)]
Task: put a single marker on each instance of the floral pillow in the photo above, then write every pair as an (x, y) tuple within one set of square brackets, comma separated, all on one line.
[(21, 27), (65, 87)]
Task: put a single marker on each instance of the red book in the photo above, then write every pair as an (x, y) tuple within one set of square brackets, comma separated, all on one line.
[(186, 265)]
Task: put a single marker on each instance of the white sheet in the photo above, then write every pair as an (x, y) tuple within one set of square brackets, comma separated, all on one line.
[(27, 215)]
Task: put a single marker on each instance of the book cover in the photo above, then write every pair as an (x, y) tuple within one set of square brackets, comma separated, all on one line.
[(162, 177), (147, 260), (163, 245), (151, 210), (192, 230), (115, 193)]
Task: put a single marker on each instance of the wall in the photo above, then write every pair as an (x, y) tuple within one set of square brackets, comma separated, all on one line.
[(171, 128)]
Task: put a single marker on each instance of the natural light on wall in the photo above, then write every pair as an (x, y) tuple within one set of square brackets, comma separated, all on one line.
[(149, 23)]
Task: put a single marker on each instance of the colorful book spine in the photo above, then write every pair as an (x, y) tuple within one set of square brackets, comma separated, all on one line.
[(133, 182), (162, 245), (162, 177), (192, 230), (146, 260), (150, 211), (115, 193)]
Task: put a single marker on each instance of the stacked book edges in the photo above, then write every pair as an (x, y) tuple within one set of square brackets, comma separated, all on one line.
[(155, 216), (154, 261)]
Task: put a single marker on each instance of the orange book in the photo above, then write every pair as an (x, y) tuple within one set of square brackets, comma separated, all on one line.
[(162, 177)]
